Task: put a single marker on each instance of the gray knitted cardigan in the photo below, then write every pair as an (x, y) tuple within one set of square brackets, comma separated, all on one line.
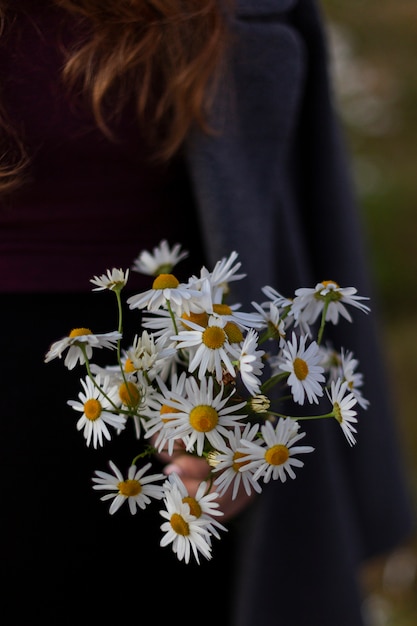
[(274, 185)]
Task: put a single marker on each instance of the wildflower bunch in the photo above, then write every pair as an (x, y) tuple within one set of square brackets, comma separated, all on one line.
[(206, 378)]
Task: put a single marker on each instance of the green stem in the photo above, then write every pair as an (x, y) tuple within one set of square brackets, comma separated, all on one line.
[(303, 418), (273, 381), (323, 321), (314, 417)]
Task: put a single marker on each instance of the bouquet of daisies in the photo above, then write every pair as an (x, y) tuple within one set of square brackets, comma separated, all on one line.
[(204, 378)]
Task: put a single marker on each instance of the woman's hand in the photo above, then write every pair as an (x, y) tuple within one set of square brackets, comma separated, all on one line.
[(193, 470)]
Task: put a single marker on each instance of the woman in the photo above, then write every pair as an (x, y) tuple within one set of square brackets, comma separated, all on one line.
[(211, 124)]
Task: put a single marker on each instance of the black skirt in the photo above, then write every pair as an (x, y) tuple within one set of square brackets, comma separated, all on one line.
[(64, 557)]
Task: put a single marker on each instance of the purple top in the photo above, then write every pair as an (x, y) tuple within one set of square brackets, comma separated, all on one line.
[(89, 204)]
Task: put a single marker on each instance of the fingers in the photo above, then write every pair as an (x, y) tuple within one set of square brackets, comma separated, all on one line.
[(193, 470), (188, 467)]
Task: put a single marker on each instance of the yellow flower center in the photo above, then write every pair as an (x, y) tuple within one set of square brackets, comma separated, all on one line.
[(277, 455), (129, 367), (332, 295), (195, 508), (167, 409), (222, 309), (233, 332), (129, 488), (179, 525), (204, 418), (79, 332), (337, 412), (214, 337), (198, 318), (92, 409), (326, 283), (129, 394), (236, 463), (300, 368), (165, 281)]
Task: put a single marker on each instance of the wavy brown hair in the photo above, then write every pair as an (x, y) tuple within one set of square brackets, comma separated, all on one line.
[(166, 54)]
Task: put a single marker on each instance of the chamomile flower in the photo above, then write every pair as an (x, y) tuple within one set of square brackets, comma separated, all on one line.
[(78, 341), (133, 388), (309, 303), (97, 403), (273, 456), (114, 280), (280, 301), (272, 321), (202, 416), (204, 504), (354, 379), (343, 400), (137, 489), (147, 356), (286, 308), (331, 361), (135, 391), (161, 325), (183, 530), (193, 382), (305, 372), (224, 272), (233, 315), (158, 406), (213, 350), (165, 288), (162, 260), (228, 463), (250, 363)]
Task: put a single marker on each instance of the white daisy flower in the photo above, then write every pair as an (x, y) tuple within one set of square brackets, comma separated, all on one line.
[(81, 337), (203, 504), (133, 388), (228, 463), (305, 373), (183, 530), (162, 260), (158, 405), (331, 361), (97, 405), (309, 303), (213, 302), (250, 363), (135, 392), (273, 456), (165, 288), (114, 280), (225, 270), (343, 401), (147, 356), (200, 416), (354, 379), (132, 393), (223, 273), (137, 489), (280, 301), (161, 325), (286, 308), (213, 350), (272, 321), (233, 315)]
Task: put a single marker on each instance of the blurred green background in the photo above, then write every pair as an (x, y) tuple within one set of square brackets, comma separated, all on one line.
[(373, 48)]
